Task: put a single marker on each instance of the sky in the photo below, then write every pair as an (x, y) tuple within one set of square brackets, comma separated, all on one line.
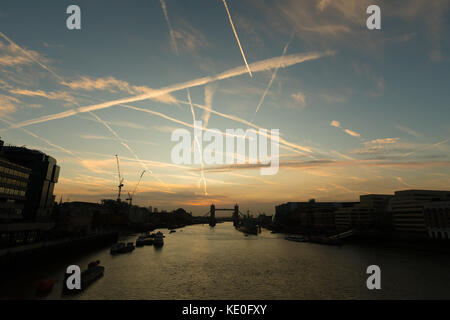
[(359, 111)]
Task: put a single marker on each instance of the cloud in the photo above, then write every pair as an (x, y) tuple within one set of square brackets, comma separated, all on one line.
[(262, 65), (299, 97), (295, 164), (11, 55), (408, 131), (335, 123), (61, 95), (352, 133), (171, 32), (382, 141), (7, 105), (209, 93), (114, 85)]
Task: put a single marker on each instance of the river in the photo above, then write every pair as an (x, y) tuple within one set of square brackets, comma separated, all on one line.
[(200, 262)]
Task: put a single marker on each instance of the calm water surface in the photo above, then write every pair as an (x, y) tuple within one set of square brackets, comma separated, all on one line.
[(199, 262)]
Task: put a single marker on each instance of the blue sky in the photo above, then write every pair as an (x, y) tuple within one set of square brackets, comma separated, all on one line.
[(372, 107)]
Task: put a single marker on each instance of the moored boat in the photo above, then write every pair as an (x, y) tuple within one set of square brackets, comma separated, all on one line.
[(120, 247), (159, 239), (88, 276)]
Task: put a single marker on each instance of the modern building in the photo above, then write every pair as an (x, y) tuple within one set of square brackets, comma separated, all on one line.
[(13, 187), (372, 210), (408, 210), (437, 219), (27, 179), (44, 175)]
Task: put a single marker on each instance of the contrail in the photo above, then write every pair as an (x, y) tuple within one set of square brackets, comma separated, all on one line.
[(45, 140), (122, 142), (274, 75), (25, 52), (208, 104), (262, 65), (197, 143), (61, 79), (284, 144), (426, 147), (172, 34), (237, 38)]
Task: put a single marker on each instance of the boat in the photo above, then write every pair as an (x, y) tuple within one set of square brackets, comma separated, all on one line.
[(94, 272), (159, 239), (45, 286), (140, 242), (120, 247), (248, 226), (172, 231), (296, 238)]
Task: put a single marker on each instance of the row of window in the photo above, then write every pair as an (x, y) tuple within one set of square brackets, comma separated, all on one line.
[(13, 182), (12, 192), (13, 172)]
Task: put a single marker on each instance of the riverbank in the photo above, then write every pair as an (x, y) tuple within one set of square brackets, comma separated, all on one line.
[(20, 257)]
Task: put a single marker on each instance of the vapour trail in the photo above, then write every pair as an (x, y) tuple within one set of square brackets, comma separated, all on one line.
[(284, 144), (30, 56), (196, 142), (274, 75), (61, 79), (237, 38), (122, 142), (426, 147), (45, 140), (262, 65), (171, 32)]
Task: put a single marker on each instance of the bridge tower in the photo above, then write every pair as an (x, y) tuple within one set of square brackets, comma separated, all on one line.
[(212, 216), (236, 215)]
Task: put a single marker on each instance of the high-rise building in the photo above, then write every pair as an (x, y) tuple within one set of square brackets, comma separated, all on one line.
[(13, 187), (44, 174), (408, 210), (27, 179)]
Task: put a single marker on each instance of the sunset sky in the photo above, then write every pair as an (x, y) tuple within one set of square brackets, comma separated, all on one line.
[(359, 111)]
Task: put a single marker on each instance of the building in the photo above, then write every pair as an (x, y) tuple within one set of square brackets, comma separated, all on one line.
[(75, 218), (437, 219), (408, 207), (27, 179), (44, 175), (309, 215), (371, 211), (13, 187)]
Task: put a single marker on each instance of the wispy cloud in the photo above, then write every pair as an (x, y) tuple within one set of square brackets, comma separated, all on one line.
[(352, 133), (8, 105), (263, 65), (299, 97), (408, 131), (171, 32), (335, 123), (114, 85), (61, 95)]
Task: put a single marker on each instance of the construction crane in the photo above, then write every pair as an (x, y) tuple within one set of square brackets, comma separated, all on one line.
[(120, 179), (130, 196)]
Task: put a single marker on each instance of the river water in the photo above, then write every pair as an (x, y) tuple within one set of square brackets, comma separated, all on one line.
[(200, 262)]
